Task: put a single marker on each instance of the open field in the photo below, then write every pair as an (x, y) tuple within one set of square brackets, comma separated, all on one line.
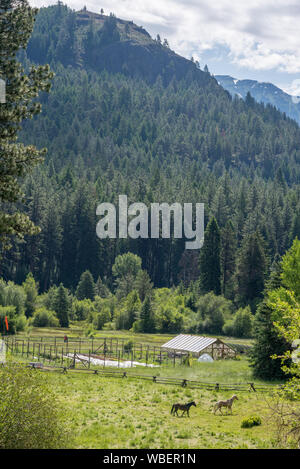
[(108, 412), (76, 330), (116, 413)]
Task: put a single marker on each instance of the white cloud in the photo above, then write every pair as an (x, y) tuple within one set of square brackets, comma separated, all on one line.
[(261, 35), (293, 88)]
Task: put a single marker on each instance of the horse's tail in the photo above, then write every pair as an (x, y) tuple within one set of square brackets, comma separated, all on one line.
[(173, 408)]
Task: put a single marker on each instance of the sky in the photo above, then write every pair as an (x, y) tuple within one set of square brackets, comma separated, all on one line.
[(254, 39)]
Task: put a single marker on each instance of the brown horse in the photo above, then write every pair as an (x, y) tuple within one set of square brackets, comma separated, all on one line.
[(218, 405), (183, 407)]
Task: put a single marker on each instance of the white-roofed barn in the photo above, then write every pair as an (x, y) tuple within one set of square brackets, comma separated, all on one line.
[(197, 345)]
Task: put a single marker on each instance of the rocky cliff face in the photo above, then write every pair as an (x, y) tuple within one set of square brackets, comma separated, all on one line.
[(262, 92)]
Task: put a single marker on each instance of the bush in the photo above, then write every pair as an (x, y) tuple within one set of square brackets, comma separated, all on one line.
[(213, 310), (21, 322), (128, 346), (10, 313), (12, 295), (228, 328), (240, 325), (30, 414), (101, 318), (252, 421), (44, 318), (83, 309)]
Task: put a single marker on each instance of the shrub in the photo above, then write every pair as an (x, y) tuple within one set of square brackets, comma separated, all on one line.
[(12, 295), (101, 318), (240, 325), (10, 312), (44, 318), (213, 310), (30, 414), (128, 346), (252, 421), (243, 323), (83, 309), (21, 322), (228, 328)]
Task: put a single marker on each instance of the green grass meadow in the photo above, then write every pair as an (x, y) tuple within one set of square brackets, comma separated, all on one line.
[(114, 412)]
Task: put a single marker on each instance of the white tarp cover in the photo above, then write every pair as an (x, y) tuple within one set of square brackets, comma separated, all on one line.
[(205, 358)]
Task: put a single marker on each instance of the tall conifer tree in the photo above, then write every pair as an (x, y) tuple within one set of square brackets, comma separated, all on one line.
[(210, 261), (16, 25)]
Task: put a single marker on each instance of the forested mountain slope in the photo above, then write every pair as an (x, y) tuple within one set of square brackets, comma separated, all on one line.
[(126, 115)]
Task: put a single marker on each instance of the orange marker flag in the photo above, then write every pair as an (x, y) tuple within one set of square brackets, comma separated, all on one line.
[(6, 323)]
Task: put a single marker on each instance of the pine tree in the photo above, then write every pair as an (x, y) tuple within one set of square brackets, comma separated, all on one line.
[(16, 25), (147, 316), (133, 306), (228, 257), (31, 290), (295, 229), (266, 339), (86, 286), (143, 284), (266, 343), (101, 289), (62, 306), (50, 246), (251, 269), (210, 262)]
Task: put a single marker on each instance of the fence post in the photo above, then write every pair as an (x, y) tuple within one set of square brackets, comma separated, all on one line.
[(89, 358), (252, 387), (118, 358)]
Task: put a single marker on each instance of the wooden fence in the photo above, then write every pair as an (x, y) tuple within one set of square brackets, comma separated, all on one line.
[(183, 382), (54, 349), (64, 361)]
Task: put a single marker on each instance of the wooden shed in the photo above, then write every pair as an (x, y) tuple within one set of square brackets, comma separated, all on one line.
[(197, 345)]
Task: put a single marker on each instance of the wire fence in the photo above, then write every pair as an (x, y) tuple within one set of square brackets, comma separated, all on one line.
[(63, 360), (113, 352)]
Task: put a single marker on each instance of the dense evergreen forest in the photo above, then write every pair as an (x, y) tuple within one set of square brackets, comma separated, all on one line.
[(126, 115)]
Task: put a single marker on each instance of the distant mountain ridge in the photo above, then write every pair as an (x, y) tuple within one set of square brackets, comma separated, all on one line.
[(262, 92)]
